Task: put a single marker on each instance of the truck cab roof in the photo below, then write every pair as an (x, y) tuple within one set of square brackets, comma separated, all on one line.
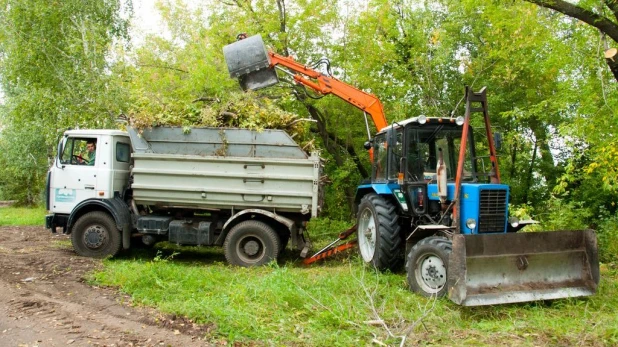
[(94, 132)]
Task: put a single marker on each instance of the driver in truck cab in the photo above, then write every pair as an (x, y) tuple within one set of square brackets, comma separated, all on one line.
[(91, 147)]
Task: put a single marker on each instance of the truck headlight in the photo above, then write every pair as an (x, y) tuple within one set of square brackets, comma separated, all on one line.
[(514, 222), (471, 223)]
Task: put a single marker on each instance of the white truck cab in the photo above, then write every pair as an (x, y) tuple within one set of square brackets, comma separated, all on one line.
[(90, 164)]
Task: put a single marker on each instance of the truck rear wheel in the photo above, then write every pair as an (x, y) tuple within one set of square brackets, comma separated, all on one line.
[(95, 235), (251, 243), (379, 239), (427, 266)]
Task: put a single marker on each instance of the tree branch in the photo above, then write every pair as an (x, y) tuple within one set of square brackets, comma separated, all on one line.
[(613, 6), (283, 24), (207, 98), (163, 67), (605, 25), (328, 136)]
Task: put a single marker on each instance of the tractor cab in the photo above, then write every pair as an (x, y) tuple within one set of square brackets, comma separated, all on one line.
[(411, 150)]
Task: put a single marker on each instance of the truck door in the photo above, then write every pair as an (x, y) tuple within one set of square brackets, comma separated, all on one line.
[(75, 179)]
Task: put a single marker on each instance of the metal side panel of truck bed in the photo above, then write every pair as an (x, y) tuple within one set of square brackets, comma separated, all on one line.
[(224, 169)]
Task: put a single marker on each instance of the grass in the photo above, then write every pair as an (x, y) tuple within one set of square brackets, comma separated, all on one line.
[(339, 303), (13, 216)]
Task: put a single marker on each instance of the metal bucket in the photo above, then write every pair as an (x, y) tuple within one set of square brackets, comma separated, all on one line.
[(248, 61), (519, 267)]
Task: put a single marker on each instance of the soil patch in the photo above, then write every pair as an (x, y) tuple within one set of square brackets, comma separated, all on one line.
[(45, 301)]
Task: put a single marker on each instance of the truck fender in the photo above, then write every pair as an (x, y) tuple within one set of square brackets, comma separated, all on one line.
[(116, 207), (239, 216)]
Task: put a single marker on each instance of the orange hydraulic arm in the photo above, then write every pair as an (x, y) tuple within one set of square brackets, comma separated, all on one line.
[(324, 85)]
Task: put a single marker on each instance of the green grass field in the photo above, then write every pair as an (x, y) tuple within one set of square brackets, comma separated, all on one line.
[(339, 302), (22, 216), (342, 302)]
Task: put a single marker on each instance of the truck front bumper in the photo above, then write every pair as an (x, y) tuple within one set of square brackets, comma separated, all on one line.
[(52, 221)]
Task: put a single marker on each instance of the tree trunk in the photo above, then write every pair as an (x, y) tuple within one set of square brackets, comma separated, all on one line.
[(514, 149), (530, 172)]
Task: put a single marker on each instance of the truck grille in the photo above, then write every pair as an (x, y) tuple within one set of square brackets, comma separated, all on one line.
[(492, 211)]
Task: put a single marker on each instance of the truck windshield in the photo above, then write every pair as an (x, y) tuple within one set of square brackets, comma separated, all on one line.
[(424, 146)]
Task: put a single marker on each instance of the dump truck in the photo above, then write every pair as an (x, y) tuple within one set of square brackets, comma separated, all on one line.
[(436, 201), (249, 191)]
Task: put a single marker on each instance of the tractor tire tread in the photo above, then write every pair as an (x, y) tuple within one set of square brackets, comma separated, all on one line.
[(388, 250)]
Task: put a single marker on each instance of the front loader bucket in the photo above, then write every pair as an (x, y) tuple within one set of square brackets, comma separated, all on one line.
[(248, 61), (518, 267)]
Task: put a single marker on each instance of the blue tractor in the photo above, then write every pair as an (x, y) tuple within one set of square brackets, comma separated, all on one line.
[(435, 203)]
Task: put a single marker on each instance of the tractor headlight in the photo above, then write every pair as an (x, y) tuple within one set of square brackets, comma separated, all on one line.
[(471, 223), (459, 120), (421, 119), (514, 222)]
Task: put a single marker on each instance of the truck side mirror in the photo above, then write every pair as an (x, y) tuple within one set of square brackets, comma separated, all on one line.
[(498, 141), (59, 154)]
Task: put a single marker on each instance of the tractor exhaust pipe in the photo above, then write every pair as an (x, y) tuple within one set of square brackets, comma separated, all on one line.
[(519, 267)]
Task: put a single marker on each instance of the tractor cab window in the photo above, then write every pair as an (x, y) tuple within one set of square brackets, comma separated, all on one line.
[(79, 151), (396, 155), (380, 147), (424, 150)]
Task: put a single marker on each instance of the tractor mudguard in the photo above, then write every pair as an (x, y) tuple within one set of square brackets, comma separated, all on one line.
[(518, 267)]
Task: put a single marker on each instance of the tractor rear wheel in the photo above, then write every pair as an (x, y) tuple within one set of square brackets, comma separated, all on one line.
[(427, 266), (379, 239)]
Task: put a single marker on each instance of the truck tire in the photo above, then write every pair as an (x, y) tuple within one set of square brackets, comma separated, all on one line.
[(95, 235), (251, 243), (379, 239), (427, 266)]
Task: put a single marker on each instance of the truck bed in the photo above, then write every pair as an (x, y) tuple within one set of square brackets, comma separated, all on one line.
[(267, 170)]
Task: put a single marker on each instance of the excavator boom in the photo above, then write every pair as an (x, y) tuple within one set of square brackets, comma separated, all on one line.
[(249, 61)]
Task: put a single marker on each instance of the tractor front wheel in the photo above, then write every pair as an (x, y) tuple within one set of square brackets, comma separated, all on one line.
[(427, 266)]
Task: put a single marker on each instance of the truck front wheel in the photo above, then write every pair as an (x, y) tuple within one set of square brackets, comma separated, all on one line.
[(251, 243), (427, 266), (95, 235)]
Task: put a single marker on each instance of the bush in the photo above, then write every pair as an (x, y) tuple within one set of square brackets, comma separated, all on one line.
[(608, 239), (572, 215)]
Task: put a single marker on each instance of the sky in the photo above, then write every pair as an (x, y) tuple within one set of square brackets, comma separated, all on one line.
[(146, 19)]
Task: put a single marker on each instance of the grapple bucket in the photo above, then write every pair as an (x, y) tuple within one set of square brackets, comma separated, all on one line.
[(518, 267), (248, 61)]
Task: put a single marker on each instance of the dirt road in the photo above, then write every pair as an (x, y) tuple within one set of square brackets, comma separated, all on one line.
[(44, 300)]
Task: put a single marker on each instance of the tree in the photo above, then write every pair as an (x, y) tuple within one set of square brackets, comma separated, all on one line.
[(596, 14), (56, 71)]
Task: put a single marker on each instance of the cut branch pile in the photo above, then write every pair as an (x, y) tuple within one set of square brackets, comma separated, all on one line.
[(239, 110)]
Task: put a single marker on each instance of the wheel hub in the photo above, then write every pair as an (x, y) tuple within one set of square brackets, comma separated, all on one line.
[(94, 236), (251, 248), (433, 273), (367, 235)]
